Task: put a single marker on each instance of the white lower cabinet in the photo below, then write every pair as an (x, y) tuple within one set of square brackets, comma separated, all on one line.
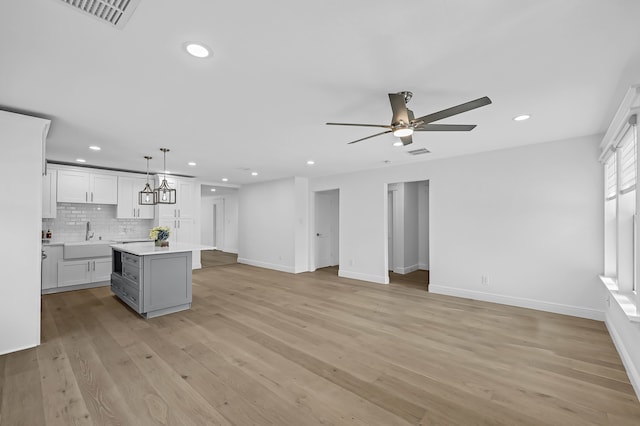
[(50, 266), (86, 271)]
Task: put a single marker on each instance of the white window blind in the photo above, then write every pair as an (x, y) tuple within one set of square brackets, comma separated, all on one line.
[(628, 158), (611, 178)]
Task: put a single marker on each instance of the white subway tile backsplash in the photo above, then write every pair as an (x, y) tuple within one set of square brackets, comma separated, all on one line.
[(71, 223)]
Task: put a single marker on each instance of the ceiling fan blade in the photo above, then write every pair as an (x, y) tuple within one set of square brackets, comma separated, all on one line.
[(361, 125), (445, 128), (372, 136), (458, 109), (399, 108), (406, 140)]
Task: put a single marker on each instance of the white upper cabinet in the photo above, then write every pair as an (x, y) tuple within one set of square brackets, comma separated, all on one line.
[(128, 207), (184, 206), (49, 196), (83, 187)]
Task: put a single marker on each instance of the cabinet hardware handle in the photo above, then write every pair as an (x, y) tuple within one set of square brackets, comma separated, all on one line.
[(178, 212), (138, 212), (92, 196), (88, 266), (86, 196)]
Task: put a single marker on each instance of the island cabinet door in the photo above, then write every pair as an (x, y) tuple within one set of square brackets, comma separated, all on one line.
[(167, 280)]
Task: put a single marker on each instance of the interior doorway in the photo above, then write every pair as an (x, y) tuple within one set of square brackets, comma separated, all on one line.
[(327, 229), (408, 233), (219, 224)]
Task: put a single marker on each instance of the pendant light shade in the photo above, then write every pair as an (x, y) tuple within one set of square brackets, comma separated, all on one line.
[(146, 197), (164, 194)]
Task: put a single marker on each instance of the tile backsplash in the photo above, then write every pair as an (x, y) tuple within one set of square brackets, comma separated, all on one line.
[(71, 223)]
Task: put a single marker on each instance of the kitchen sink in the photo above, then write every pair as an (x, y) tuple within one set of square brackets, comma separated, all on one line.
[(83, 249)]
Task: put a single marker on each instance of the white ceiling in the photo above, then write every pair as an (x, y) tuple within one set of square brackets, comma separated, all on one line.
[(281, 69)]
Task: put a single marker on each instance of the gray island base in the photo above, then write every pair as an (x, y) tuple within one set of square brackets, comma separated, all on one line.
[(152, 280)]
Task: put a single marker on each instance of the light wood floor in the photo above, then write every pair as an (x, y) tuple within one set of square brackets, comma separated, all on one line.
[(268, 348), (209, 258)]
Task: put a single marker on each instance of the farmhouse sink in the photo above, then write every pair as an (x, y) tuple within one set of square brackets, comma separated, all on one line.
[(83, 249)]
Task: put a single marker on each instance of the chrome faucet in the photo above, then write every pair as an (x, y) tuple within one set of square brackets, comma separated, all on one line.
[(89, 234)]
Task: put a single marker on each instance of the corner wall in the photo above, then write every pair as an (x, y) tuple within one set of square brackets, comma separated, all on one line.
[(273, 225), (21, 137)]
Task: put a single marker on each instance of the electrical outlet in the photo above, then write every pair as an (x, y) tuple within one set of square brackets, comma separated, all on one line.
[(484, 280)]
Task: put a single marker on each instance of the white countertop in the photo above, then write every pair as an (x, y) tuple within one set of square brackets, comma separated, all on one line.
[(147, 249), (56, 242)]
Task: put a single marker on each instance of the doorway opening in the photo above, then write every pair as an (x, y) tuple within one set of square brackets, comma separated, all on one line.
[(219, 225), (327, 230), (408, 234)]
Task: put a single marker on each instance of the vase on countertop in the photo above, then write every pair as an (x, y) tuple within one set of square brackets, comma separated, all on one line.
[(162, 243)]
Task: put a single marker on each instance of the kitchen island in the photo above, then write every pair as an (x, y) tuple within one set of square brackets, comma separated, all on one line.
[(152, 280)]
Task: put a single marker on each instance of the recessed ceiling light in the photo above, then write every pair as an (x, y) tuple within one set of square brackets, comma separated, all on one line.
[(311, 162), (213, 190), (225, 179), (95, 148), (191, 163), (254, 173), (196, 49), (397, 143), (81, 160), (522, 117)]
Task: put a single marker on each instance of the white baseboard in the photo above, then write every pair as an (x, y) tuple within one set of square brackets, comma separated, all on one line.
[(406, 270), (229, 250), (275, 267), (19, 348), (423, 266), (625, 356), (363, 277), (539, 305)]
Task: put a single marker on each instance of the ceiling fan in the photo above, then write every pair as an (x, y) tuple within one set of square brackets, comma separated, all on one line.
[(403, 123)]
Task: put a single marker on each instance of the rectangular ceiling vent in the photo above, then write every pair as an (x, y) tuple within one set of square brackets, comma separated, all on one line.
[(419, 151), (113, 12)]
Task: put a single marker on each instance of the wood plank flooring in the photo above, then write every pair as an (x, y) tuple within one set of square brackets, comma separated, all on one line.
[(210, 258), (262, 347)]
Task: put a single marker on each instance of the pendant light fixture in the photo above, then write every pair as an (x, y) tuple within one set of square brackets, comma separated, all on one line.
[(164, 194), (146, 197)]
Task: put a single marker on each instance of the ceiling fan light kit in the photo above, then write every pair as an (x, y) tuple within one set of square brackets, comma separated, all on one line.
[(404, 124)]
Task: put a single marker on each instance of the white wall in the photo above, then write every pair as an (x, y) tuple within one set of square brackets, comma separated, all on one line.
[(411, 231), (528, 218), (302, 229), (267, 224), (423, 225), (626, 336), (21, 205)]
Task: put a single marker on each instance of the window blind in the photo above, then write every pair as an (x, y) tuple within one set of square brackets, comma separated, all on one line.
[(611, 178), (628, 159)]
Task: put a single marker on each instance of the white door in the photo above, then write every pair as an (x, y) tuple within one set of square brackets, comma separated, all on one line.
[(327, 228)]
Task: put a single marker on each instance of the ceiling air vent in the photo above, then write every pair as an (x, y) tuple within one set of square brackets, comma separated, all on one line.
[(113, 12), (419, 151)]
